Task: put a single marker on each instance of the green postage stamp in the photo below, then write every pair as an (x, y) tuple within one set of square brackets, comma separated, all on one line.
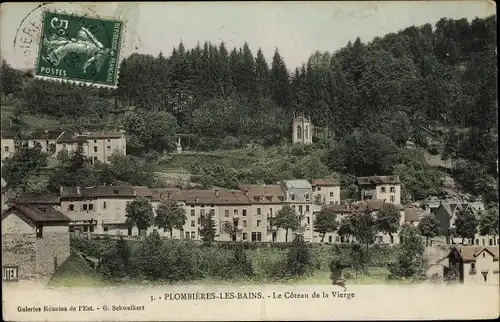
[(79, 48)]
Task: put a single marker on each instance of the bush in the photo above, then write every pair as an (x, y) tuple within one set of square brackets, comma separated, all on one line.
[(111, 265)]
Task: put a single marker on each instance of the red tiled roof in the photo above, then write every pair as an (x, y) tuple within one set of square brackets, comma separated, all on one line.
[(105, 191), (263, 193), (339, 208), (412, 214), (211, 197), (469, 253)]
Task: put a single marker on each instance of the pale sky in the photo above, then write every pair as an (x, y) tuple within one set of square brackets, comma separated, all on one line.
[(296, 28)]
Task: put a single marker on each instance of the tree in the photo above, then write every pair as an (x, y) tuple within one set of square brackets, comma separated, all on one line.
[(388, 219), (151, 256), (364, 153), (279, 81), (10, 79), (299, 256), (465, 224), (325, 222), (489, 222), (111, 265), (123, 251), (242, 265), (409, 260), (429, 227), (139, 213), (24, 166), (170, 215), (208, 229), (286, 218)]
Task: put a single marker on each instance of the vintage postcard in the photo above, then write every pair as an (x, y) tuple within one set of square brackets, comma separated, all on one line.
[(249, 161)]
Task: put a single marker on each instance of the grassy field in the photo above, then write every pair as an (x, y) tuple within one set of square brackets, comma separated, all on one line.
[(76, 272), (34, 121)]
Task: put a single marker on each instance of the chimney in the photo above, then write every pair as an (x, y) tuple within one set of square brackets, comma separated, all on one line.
[(135, 193), (169, 195), (78, 190), (61, 190), (216, 192), (246, 193)]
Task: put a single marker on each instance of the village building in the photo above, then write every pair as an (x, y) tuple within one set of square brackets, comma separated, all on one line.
[(100, 209), (46, 139), (9, 143), (298, 193), (341, 212), (304, 132), (474, 264), (326, 191), (386, 188), (266, 201), (35, 238)]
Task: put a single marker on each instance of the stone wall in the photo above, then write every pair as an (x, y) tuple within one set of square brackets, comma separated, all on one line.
[(53, 249), (18, 246)]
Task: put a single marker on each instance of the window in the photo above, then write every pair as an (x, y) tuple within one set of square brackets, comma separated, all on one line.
[(393, 189), (202, 212), (226, 213), (308, 220), (244, 223), (192, 212), (380, 239), (477, 241), (300, 210), (393, 198), (193, 223), (193, 235), (95, 141), (64, 146), (330, 239), (106, 228), (91, 207), (472, 266), (71, 207), (187, 235), (235, 212), (331, 202), (85, 229), (39, 232), (307, 197), (6, 148), (331, 194), (245, 236), (292, 196), (104, 205), (491, 244), (95, 159), (95, 149), (129, 231), (258, 211), (244, 212), (299, 132), (483, 242), (109, 140), (108, 147), (256, 237), (319, 188), (271, 212), (258, 223), (392, 240), (337, 239), (382, 189)]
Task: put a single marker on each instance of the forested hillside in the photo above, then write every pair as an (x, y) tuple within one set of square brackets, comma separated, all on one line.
[(432, 85)]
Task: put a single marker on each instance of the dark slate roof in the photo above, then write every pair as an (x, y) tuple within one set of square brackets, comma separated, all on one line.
[(66, 137), (38, 198), (212, 197), (325, 183), (105, 191), (45, 135), (104, 135), (37, 213), (394, 179), (263, 193), (8, 135)]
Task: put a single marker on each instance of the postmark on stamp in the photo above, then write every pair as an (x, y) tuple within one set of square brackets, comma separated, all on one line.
[(79, 48)]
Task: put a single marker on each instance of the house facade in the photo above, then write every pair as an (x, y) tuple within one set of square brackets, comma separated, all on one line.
[(47, 139), (386, 188), (100, 209), (265, 202), (474, 264), (8, 143), (35, 238), (326, 191), (298, 193)]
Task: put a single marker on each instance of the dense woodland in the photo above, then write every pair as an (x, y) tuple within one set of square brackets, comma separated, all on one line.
[(433, 85)]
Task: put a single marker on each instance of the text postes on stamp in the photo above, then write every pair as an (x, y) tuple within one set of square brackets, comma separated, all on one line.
[(79, 48)]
